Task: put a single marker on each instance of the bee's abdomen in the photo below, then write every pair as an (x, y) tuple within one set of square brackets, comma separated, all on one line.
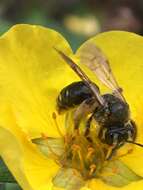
[(73, 95)]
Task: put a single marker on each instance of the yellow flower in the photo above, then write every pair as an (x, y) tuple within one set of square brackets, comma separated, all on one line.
[(31, 76)]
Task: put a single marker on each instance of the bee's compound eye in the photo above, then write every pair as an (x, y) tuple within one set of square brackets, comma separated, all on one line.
[(132, 130)]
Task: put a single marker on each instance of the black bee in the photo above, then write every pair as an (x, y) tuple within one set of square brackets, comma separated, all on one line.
[(110, 111)]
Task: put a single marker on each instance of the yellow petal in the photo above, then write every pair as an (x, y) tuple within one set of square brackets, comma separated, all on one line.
[(32, 74), (31, 169), (94, 184), (124, 51)]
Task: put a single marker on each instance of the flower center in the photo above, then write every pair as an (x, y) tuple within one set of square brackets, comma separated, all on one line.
[(84, 154)]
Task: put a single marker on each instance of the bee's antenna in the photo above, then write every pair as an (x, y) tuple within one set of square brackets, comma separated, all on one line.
[(82, 75), (138, 144)]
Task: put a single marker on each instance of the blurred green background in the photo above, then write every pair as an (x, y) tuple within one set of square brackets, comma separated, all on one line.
[(77, 20)]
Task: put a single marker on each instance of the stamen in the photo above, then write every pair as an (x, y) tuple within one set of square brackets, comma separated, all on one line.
[(92, 169), (44, 136), (81, 153), (76, 149), (81, 160), (90, 151), (75, 172), (54, 116)]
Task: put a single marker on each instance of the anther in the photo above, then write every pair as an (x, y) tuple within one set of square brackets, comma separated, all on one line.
[(92, 169), (90, 151), (75, 147), (44, 136), (75, 172)]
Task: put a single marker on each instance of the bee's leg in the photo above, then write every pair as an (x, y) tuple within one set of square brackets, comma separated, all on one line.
[(85, 108), (112, 149), (88, 124), (87, 130)]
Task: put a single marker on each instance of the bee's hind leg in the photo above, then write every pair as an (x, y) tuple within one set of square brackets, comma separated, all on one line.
[(85, 108), (88, 124)]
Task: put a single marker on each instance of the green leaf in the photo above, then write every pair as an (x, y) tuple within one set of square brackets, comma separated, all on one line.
[(11, 186), (117, 174), (5, 175), (69, 179)]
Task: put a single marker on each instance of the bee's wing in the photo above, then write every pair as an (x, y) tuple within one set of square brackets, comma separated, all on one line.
[(96, 61), (83, 77)]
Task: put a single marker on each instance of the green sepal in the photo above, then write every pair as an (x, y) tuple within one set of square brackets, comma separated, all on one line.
[(69, 179), (50, 146), (117, 174)]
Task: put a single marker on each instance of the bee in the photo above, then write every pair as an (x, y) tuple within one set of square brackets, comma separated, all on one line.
[(110, 111)]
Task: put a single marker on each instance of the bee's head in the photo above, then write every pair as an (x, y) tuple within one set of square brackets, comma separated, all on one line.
[(118, 133)]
